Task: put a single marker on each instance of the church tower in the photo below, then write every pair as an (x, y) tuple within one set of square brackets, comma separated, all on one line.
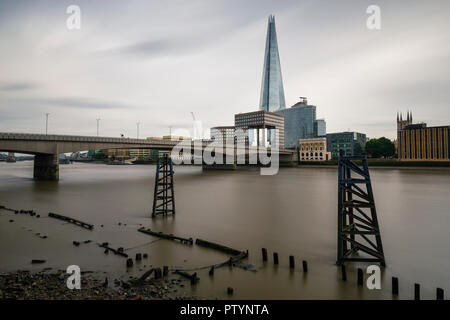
[(401, 124)]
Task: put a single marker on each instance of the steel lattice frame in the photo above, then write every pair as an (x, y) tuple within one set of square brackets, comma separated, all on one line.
[(164, 197), (358, 229)]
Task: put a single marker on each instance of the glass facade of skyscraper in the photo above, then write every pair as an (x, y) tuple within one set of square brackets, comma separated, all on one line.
[(272, 92), (320, 128), (298, 123)]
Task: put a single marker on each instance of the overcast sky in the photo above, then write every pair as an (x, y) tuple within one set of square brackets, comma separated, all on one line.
[(158, 61)]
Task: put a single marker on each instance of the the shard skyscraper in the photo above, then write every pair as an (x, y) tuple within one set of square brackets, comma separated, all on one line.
[(272, 92)]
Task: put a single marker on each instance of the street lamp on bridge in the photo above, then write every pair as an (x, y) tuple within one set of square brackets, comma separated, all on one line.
[(98, 121), (46, 123), (137, 129)]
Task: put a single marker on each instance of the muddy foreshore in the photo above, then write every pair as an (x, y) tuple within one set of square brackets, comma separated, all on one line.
[(50, 285)]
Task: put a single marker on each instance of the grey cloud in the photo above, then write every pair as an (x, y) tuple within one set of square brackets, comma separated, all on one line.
[(83, 103), (17, 86), (64, 102), (155, 47)]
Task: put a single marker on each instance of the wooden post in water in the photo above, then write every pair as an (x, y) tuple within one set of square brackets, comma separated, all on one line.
[(291, 262), (275, 258), (394, 286), (129, 263), (343, 273), (439, 294), (360, 277), (305, 266), (416, 291), (264, 254)]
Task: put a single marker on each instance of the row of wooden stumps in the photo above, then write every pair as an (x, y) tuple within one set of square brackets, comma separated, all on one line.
[(291, 260), (360, 275), (164, 195), (395, 286)]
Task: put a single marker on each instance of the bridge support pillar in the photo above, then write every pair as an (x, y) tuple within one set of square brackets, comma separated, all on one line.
[(46, 167)]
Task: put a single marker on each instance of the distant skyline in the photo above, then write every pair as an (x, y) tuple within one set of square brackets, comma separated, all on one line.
[(155, 62)]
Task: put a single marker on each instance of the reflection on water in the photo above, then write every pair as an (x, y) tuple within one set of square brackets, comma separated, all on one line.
[(292, 213)]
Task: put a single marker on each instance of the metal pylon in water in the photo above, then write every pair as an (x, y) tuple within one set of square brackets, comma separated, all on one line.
[(164, 197), (358, 229)]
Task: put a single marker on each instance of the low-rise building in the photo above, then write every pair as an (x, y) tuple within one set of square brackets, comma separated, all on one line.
[(119, 154), (314, 149), (352, 143), (143, 154), (176, 138)]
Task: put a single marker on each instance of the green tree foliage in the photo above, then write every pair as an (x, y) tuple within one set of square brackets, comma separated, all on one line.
[(99, 155), (381, 147)]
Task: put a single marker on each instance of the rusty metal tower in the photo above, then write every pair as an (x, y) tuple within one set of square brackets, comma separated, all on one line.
[(358, 229), (164, 197)]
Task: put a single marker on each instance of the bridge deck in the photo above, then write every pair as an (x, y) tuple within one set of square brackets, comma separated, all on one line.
[(110, 141)]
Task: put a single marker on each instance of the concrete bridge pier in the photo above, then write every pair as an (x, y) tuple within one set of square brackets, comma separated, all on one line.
[(46, 167)]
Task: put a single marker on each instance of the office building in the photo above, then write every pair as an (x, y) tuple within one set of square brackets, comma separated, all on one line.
[(320, 128), (353, 143), (258, 128), (300, 123), (226, 133), (314, 149), (418, 142)]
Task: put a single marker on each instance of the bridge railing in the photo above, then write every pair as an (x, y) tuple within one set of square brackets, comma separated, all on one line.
[(92, 139)]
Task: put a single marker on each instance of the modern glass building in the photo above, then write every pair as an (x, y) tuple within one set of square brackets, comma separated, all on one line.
[(353, 143), (299, 122), (320, 128), (272, 92)]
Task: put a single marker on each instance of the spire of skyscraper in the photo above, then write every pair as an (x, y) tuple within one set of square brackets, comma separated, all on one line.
[(272, 92)]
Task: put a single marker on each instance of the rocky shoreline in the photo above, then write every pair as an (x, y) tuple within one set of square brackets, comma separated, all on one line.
[(43, 285)]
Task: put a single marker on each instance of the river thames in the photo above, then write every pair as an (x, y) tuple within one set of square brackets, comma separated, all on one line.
[(292, 213)]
